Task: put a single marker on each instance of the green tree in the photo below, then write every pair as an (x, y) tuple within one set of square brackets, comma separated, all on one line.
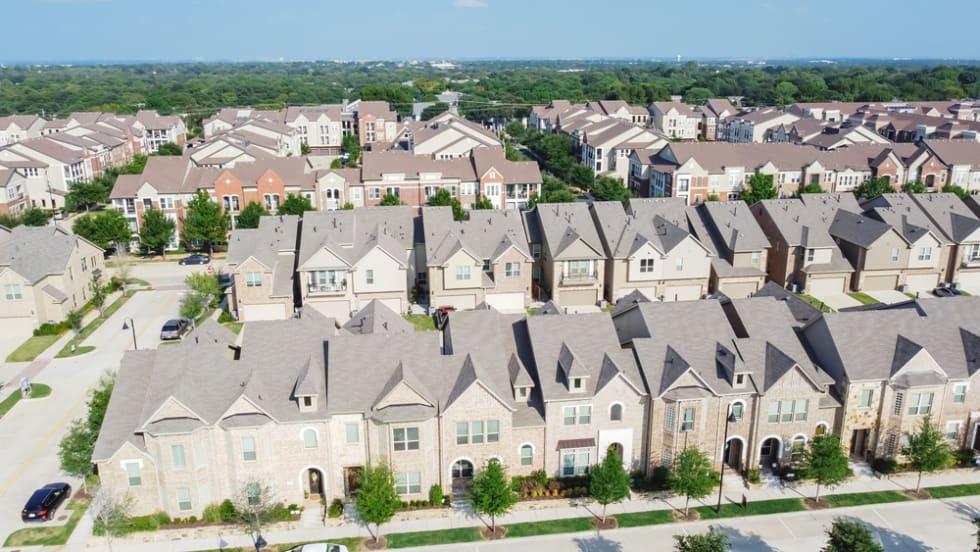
[(337, 164), (850, 536), (927, 450), (109, 514), (295, 205), (205, 287), (390, 199), (85, 194), (170, 148), (609, 483), (249, 216), (157, 230), (347, 206), (32, 216), (712, 197), (712, 541), (351, 145), (105, 228), (255, 507), (825, 462), (516, 130), (872, 188), (811, 188), (76, 447), (760, 187), (954, 189), (442, 198), (99, 292), (914, 187), (304, 149), (433, 110), (205, 221), (692, 476), (377, 500), (483, 202), (697, 95), (491, 494), (611, 189)]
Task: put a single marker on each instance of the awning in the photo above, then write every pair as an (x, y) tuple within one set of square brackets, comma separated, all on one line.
[(576, 443)]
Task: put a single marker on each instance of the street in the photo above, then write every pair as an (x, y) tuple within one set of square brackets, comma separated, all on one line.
[(169, 274)]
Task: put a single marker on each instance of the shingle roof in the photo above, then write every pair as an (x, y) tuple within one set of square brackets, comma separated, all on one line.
[(350, 234), (273, 244), (858, 229), (905, 216), (660, 222), (949, 214), (486, 234), (36, 251), (562, 224), (377, 318)]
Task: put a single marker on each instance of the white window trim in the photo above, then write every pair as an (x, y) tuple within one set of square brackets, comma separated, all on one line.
[(302, 437), (622, 411), (521, 447), (731, 408)]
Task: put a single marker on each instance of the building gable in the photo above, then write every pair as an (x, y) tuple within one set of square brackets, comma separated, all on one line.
[(401, 394), (324, 258), (172, 408)]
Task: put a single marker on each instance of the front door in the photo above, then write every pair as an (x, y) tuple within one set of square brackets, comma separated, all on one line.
[(351, 477), (859, 442), (316, 482), (733, 453), (462, 476)]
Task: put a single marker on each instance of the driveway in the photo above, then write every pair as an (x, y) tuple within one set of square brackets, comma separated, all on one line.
[(890, 296), (838, 301)]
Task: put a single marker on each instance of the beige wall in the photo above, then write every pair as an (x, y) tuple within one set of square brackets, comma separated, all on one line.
[(243, 295), (879, 255)]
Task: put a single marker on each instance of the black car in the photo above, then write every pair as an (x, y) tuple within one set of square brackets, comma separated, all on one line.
[(195, 259), (44, 501), (174, 329), (946, 292)]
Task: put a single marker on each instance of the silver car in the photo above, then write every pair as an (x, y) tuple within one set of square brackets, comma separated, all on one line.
[(174, 329), (319, 547)]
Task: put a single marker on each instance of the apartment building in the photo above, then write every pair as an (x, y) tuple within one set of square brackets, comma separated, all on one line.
[(619, 109), (714, 115), (262, 264), (570, 258), (756, 125), (14, 128), (377, 125), (446, 136), (607, 150), (483, 259), (320, 127), (739, 248), (951, 216), (677, 120)]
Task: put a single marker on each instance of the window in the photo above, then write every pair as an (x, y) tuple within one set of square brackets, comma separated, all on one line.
[(12, 292), (527, 455), (669, 418), (959, 393), (369, 275), (890, 444), (408, 483), (799, 410), (253, 494), (952, 430), (248, 449), (577, 383), (756, 258), (575, 462), (646, 265), (406, 438), (308, 401), (512, 270), (577, 414), (898, 404), (476, 433), (467, 188), (811, 254), (895, 254), (680, 264), (787, 411), (666, 459), (183, 499), (253, 279), (536, 250), (798, 445), (353, 433), (687, 420), (462, 433), (177, 455), (84, 264), (580, 268), (971, 251), (866, 396), (133, 474), (738, 410), (493, 431), (374, 193), (393, 190), (925, 254), (309, 438), (739, 380), (462, 273), (920, 404), (616, 412)]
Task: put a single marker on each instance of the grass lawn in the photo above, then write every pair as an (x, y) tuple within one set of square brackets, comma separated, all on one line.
[(814, 302), (90, 328), (639, 519), (80, 350), (234, 326), (34, 346), (911, 296), (38, 390), (431, 538), (860, 499), (549, 527), (863, 298), (50, 535), (754, 508), (965, 293), (951, 491), (137, 282), (353, 544), (422, 322)]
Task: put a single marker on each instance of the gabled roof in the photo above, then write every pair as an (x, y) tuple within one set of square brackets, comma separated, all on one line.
[(377, 317), (949, 214), (858, 229), (273, 244), (563, 224), (351, 234), (485, 235), (659, 222), (36, 251)]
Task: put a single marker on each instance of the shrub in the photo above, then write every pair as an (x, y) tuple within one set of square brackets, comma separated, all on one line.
[(447, 500), (435, 495), (227, 510), (225, 317), (553, 486), (280, 513), (51, 329), (517, 483), (754, 476), (212, 513), (540, 477), (885, 466), (336, 508), (192, 519), (965, 458)]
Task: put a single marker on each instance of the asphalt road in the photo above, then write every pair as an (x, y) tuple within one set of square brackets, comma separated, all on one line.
[(168, 274)]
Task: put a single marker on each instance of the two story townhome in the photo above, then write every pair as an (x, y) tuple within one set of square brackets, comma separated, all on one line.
[(14, 128), (377, 124), (739, 248), (918, 361), (261, 262), (267, 182), (349, 257), (45, 273), (677, 120), (483, 259), (962, 157), (319, 127), (166, 183), (756, 125), (569, 253), (961, 226), (649, 248), (446, 136)]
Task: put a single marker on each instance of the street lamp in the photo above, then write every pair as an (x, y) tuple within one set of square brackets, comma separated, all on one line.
[(130, 326), (721, 479)]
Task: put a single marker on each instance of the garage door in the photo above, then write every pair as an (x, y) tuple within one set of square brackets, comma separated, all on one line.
[(393, 304), (826, 286), (568, 298), (506, 302), (970, 281), (738, 290), (682, 293), (879, 282), (251, 313), (461, 302), (338, 310), (922, 282)]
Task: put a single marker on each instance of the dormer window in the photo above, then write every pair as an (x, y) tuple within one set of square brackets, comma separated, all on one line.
[(576, 384), (307, 403), (486, 265), (739, 380)]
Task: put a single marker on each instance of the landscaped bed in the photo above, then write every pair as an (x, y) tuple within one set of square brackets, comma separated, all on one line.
[(50, 535), (90, 328), (30, 349), (38, 391)]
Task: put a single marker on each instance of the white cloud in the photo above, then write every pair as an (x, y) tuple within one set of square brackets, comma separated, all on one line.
[(469, 3)]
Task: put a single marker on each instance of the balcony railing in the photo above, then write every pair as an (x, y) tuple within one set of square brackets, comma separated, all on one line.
[(328, 289)]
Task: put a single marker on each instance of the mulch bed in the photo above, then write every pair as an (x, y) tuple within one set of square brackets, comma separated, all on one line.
[(693, 515), (811, 504), (500, 533), (371, 544), (610, 523), (921, 495)]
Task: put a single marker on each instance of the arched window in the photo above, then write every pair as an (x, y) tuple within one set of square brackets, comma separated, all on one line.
[(309, 438), (527, 455), (616, 412), (798, 444), (737, 410), (821, 429)]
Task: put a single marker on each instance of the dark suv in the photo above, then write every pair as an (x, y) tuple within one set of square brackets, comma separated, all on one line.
[(44, 501)]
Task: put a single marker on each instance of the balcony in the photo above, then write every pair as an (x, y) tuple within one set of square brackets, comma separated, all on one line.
[(328, 289), (971, 262)]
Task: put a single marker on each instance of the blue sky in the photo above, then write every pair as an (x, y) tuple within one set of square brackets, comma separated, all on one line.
[(435, 29)]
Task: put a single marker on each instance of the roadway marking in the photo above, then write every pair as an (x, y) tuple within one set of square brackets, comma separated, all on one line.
[(882, 518), (788, 530), (146, 326)]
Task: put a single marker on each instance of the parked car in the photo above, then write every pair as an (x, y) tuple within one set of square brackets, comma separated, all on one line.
[(319, 547), (195, 259), (946, 292), (43, 503), (174, 328)]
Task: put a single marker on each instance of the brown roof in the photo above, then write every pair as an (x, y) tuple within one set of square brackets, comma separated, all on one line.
[(956, 152), (380, 110)]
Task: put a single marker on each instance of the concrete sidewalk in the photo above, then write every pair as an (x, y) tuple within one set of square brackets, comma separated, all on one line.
[(166, 541)]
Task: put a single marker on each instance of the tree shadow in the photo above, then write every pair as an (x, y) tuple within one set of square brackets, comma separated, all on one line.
[(598, 543), (744, 541), (962, 509), (891, 539)]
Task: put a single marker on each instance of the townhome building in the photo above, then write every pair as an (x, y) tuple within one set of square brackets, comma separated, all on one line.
[(714, 114), (377, 125), (676, 120), (756, 125), (267, 182), (45, 273), (647, 247), (607, 151), (619, 109), (960, 225), (321, 128), (338, 187), (446, 136), (483, 259), (159, 130), (262, 264), (753, 376), (349, 257), (231, 147), (570, 258), (803, 257), (962, 160), (13, 196), (739, 248), (546, 117), (919, 360), (14, 128)]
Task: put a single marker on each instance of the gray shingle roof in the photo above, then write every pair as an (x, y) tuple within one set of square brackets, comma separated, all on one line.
[(486, 235), (377, 318), (858, 229), (659, 222), (949, 214), (350, 234), (36, 251), (273, 244), (798, 225), (563, 224)]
